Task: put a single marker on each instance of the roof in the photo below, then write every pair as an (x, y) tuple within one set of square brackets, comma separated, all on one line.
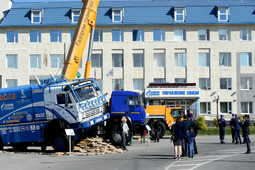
[(136, 12)]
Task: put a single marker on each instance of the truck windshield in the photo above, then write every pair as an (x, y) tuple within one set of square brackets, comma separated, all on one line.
[(85, 93), (176, 113)]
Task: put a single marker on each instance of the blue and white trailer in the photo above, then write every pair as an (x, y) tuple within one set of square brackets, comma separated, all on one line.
[(42, 112)]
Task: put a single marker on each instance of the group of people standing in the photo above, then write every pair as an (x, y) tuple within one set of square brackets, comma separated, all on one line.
[(236, 126), (184, 133)]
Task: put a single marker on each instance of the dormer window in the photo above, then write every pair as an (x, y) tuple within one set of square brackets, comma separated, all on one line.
[(179, 14), (75, 15), (36, 16), (223, 14), (117, 15)]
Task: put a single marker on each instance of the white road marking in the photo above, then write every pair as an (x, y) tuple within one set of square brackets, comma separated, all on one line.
[(214, 158), (212, 161)]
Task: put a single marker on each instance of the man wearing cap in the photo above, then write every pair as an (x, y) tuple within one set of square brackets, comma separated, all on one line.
[(222, 124), (232, 122)]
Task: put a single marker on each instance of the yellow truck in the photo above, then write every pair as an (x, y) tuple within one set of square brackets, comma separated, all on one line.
[(166, 116)]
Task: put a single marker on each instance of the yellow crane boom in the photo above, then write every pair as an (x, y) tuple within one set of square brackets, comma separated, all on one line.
[(85, 26)]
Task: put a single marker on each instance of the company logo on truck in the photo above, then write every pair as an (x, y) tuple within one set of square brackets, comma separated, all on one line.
[(7, 96), (5, 107)]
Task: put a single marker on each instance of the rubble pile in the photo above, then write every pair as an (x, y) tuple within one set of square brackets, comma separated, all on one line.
[(94, 146)]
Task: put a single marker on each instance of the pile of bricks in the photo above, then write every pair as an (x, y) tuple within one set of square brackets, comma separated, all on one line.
[(92, 146)]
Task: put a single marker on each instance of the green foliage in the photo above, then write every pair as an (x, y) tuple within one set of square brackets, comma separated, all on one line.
[(201, 123), (240, 117), (215, 122)]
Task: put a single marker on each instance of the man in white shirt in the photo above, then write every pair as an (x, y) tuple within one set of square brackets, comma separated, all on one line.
[(125, 130)]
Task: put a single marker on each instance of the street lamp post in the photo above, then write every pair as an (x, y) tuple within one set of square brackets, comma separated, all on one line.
[(217, 97)]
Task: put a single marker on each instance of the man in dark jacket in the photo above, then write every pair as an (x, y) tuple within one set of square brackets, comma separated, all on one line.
[(156, 130), (237, 128), (246, 130), (222, 124), (185, 125), (232, 121), (194, 126)]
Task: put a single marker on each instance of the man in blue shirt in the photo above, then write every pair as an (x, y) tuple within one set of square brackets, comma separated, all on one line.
[(222, 124), (237, 128)]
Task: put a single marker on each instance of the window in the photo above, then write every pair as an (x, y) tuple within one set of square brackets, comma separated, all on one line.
[(179, 35), (117, 60), (159, 35), (100, 83), (12, 36), (225, 59), (117, 84), (204, 35), (138, 84), (205, 107), (246, 83), (159, 59), (246, 107), (56, 60), (11, 83), (72, 34), (224, 35), (204, 83), (96, 60), (117, 35), (75, 15), (245, 59), (180, 80), (180, 59), (226, 83), (98, 36), (116, 15), (138, 35), (35, 61), (36, 16), (245, 34), (138, 59), (159, 80), (33, 82), (223, 14), (204, 59), (12, 60), (179, 14), (226, 107), (35, 36), (55, 36)]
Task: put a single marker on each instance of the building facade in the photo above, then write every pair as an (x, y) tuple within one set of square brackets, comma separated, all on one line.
[(207, 43)]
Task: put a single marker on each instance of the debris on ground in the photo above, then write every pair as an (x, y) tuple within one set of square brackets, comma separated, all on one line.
[(88, 146)]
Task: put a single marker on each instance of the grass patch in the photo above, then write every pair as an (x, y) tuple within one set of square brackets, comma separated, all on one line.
[(215, 131)]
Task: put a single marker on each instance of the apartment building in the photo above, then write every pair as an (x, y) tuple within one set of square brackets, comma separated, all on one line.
[(199, 54)]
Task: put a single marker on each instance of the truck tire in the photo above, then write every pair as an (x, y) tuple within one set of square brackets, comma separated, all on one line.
[(162, 130), (60, 143), (1, 144), (22, 146), (115, 135)]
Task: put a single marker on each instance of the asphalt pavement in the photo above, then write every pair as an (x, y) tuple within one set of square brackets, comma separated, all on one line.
[(212, 155)]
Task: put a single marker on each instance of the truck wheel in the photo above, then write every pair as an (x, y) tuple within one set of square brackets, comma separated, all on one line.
[(60, 143), (115, 135), (162, 129), (20, 146)]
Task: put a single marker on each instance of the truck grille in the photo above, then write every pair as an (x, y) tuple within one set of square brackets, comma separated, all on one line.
[(91, 114)]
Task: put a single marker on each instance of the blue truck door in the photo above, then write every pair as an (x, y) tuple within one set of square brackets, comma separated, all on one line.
[(133, 108), (38, 103)]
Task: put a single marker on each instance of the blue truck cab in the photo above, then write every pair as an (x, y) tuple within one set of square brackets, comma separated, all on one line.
[(129, 104), (41, 112)]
